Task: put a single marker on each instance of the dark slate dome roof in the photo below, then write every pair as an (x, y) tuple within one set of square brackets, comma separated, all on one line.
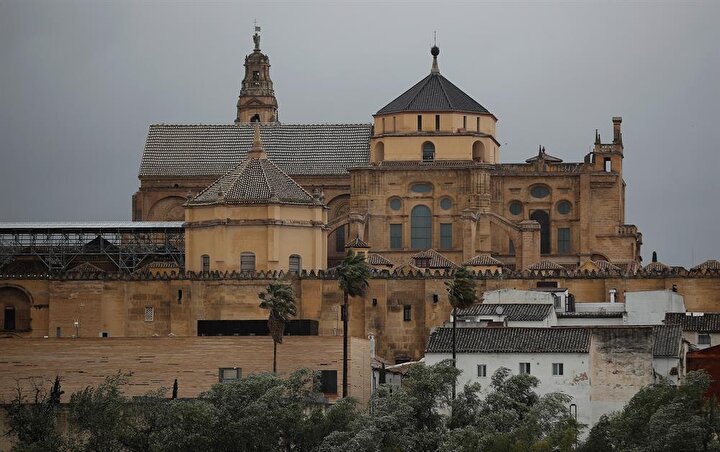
[(433, 93)]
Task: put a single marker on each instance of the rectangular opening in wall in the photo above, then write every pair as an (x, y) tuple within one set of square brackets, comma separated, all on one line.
[(557, 369), (205, 263), (608, 164), (104, 334), (437, 122), (229, 374), (180, 295), (524, 368), (703, 338), (477, 127), (149, 313), (419, 123), (396, 236), (295, 327), (563, 240), (328, 381), (9, 322), (482, 370), (446, 236), (407, 313), (58, 332), (464, 122), (383, 125)]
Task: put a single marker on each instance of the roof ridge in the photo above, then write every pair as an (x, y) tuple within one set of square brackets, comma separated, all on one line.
[(266, 178), (444, 91)]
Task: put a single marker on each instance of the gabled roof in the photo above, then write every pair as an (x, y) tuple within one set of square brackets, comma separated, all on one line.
[(605, 265), (513, 312), (511, 340), (254, 181), (357, 243), (377, 259), (668, 340), (483, 260), (542, 155), (433, 93), (212, 150), (435, 260), (710, 264), (656, 267), (545, 265), (706, 323)]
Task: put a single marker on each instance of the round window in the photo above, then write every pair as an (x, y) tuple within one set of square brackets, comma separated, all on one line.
[(446, 203), (423, 187), (539, 191), (564, 207), (516, 208), (395, 204)]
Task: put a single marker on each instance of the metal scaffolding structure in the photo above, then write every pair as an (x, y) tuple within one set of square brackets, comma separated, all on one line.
[(61, 246)]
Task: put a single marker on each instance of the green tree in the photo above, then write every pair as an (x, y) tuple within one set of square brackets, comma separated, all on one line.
[(353, 274), (461, 295), (279, 300), (33, 421)]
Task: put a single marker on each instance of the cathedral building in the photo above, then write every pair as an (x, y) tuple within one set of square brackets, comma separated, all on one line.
[(427, 174)]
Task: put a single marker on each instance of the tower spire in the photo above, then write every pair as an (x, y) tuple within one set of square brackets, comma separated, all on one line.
[(257, 100), (435, 51)]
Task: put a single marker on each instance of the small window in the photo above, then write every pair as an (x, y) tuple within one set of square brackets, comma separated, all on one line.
[(256, 75), (421, 188), (563, 241), (464, 122), (383, 125), (294, 264), (205, 263), (564, 207), (446, 240), (511, 248), (58, 332), (104, 334), (557, 369), (395, 204), (539, 191), (608, 164), (229, 374), (524, 368), (446, 203), (481, 370), (149, 313), (703, 338), (419, 122), (515, 207), (180, 295), (328, 381), (9, 322), (247, 261), (407, 313), (478, 124), (428, 152), (396, 236), (437, 122)]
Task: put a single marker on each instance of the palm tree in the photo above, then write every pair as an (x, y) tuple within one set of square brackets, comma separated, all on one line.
[(461, 294), (279, 300), (353, 274)]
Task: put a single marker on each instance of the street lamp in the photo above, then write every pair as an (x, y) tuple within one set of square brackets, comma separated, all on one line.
[(77, 327)]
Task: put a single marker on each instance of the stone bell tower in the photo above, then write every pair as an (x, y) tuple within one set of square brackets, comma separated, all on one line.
[(257, 102)]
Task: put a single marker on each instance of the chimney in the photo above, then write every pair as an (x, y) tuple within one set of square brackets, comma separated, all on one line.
[(617, 133)]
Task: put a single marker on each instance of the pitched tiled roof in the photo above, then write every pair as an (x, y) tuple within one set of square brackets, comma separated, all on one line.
[(255, 180), (483, 259), (605, 265), (434, 259), (377, 259), (357, 243), (511, 340), (517, 312), (212, 150), (433, 93), (656, 267), (706, 323), (545, 265), (668, 340), (591, 315), (711, 264)]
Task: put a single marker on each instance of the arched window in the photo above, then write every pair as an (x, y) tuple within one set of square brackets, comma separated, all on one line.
[(543, 218), (255, 118), (478, 152), (421, 227), (247, 261), (205, 263), (295, 263), (380, 151), (428, 152), (14, 309)]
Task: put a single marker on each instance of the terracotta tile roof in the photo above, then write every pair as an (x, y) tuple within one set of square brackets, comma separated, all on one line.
[(357, 243), (377, 259), (514, 312), (432, 259), (511, 340), (606, 266), (433, 93), (656, 267), (255, 180), (711, 264), (483, 260), (545, 265), (668, 340), (705, 323), (212, 150)]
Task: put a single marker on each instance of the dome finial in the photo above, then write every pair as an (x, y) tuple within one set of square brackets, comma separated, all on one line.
[(435, 51)]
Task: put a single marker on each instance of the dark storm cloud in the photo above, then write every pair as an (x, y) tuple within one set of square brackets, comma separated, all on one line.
[(81, 81)]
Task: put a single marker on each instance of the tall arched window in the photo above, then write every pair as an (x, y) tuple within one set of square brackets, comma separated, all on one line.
[(543, 218), (295, 264), (247, 261), (478, 152), (421, 227), (379, 151), (428, 152)]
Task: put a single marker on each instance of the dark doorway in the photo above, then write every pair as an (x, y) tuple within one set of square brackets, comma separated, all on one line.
[(543, 218), (9, 323)]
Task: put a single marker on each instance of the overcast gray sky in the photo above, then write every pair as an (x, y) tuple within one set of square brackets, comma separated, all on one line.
[(80, 81)]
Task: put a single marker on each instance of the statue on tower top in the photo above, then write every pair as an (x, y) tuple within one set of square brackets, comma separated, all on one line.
[(256, 37)]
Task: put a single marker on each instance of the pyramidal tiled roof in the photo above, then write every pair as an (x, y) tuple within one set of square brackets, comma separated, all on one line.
[(432, 259), (357, 243), (710, 264), (213, 149), (545, 265), (433, 93), (483, 259), (377, 259), (656, 267), (256, 180)]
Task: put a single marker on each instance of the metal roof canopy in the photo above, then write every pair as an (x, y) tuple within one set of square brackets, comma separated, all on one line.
[(92, 225)]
